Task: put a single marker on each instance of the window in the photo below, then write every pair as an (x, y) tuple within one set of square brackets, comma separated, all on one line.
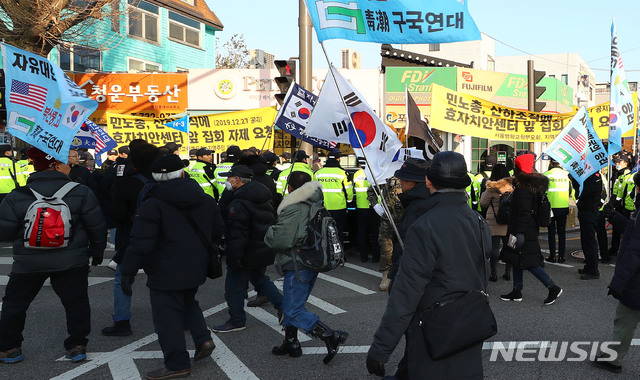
[(184, 29), (491, 63), (79, 58), (565, 79), (144, 20), (190, 2), (142, 65), (551, 76), (434, 47)]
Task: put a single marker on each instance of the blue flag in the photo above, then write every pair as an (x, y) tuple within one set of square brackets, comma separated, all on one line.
[(44, 107), (103, 142), (578, 148), (393, 22), (181, 124), (621, 110), (294, 114)]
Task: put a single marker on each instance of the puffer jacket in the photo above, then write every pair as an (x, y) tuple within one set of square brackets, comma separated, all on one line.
[(164, 243), (290, 228), (249, 216), (88, 229), (626, 278), (522, 220), (490, 201)]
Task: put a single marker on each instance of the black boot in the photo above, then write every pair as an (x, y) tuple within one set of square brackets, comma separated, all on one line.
[(290, 345), (119, 328), (332, 339)]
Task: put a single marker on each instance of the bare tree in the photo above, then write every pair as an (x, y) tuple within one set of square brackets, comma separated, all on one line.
[(39, 25), (233, 54)]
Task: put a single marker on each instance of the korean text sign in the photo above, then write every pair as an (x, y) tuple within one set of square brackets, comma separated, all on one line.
[(245, 129), (45, 108)]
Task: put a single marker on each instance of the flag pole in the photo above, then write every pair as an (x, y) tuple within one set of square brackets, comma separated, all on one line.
[(406, 116), (273, 125), (385, 206)]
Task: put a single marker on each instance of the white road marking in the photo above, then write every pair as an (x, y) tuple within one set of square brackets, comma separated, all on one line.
[(229, 362), (363, 269), (268, 318), (341, 350), (6, 260), (345, 284), (124, 368), (317, 302)]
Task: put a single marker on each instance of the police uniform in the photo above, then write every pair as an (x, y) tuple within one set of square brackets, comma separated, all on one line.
[(24, 169), (619, 194), (296, 167), (198, 172), (337, 191), (7, 176), (558, 194), (367, 219)]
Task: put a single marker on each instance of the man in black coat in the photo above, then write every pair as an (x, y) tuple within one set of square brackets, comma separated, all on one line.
[(67, 268), (248, 217), (166, 245), (436, 265), (588, 204)]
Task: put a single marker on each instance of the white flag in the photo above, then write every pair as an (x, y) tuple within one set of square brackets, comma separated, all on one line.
[(329, 121)]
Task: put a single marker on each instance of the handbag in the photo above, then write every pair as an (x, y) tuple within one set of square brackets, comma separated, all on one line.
[(214, 266), (456, 324)]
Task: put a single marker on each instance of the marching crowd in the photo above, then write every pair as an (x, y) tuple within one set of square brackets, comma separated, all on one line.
[(254, 208)]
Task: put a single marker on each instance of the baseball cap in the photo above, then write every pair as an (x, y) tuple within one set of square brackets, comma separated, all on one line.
[(124, 149), (203, 152), (112, 152), (166, 164)]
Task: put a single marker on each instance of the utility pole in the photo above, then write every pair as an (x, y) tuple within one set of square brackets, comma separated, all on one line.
[(305, 54)]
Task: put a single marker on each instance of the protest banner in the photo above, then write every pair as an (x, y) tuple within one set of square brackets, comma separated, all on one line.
[(217, 132)]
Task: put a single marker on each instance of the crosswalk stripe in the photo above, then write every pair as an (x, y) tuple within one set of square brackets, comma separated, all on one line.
[(317, 302), (345, 284), (6, 260), (268, 318), (363, 269), (229, 362), (341, 349)]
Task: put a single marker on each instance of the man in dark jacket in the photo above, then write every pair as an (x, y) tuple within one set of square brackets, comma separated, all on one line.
[(126, 192), (67, 268), (523, 249), (435, 266), (588, 204), (248, 218), (625, 285), (287, 234), (175, 262)]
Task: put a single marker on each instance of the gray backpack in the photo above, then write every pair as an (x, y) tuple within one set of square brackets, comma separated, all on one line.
[(47, 223), (321, 251)]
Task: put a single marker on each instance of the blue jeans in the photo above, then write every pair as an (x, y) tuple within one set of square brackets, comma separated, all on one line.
[(112, 236), (295, 296), (121, 302), (540, 274), (235, 286)]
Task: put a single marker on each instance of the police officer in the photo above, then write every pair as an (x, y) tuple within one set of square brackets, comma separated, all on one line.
[(300, 165), (368, 220), (558, 194), (618, 197), (25, 170), (202, 171), (337, 190), (232, 156), (271, 159), (480, 179), (8, 180)]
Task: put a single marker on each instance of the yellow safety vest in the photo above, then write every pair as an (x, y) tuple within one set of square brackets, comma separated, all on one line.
[(222, 167), (7, 175), (297, 167), (336, 188), (197, 173), (361, 185), (559, 187)]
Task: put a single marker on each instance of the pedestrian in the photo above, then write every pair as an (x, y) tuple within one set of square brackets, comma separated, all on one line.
[(112, 155), (337, 190), (523, 249), (558, 194), (79, 173), (67, 268), (499, 182), (126, 194), (166, 241), (171, 148), (367, 219), (589, 203), (287, 234), (249, 215), (436, 265), (624, 286), (271, 159), (623, 197)]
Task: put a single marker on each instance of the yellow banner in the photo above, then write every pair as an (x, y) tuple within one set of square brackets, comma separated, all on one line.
[(246, 129), (464, 114), (600, 117)]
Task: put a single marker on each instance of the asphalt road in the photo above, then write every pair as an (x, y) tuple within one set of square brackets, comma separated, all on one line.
[(346, 298)]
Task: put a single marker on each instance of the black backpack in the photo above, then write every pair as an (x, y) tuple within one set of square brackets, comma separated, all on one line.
[(504, 207), (542, 210), (321, 250)]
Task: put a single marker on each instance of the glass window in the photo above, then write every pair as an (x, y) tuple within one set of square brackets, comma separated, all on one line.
[(144, 20), (184, 29), (434, 47), (79, 58), (565, 79), (142, 65)]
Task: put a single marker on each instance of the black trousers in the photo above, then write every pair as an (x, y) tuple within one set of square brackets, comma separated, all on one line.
[(601, 233), (70, 286), (616, 234), (368, 227), (588, 222), (172, 310), (559, 224), (341, 218)]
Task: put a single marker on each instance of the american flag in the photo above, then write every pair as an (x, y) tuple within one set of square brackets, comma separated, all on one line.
[(576, 140), (27, 94), (104, 142)]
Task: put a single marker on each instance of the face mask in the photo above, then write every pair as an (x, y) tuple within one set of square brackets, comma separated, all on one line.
[(618, 166), (227, 186)]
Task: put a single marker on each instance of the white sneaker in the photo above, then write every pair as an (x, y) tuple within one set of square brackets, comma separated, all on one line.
[(112, 265)]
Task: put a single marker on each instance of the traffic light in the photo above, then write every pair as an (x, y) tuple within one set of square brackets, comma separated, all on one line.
[(287, 71), (535, 91)]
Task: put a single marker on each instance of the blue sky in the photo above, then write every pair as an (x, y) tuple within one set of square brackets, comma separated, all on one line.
[(531, 27)]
